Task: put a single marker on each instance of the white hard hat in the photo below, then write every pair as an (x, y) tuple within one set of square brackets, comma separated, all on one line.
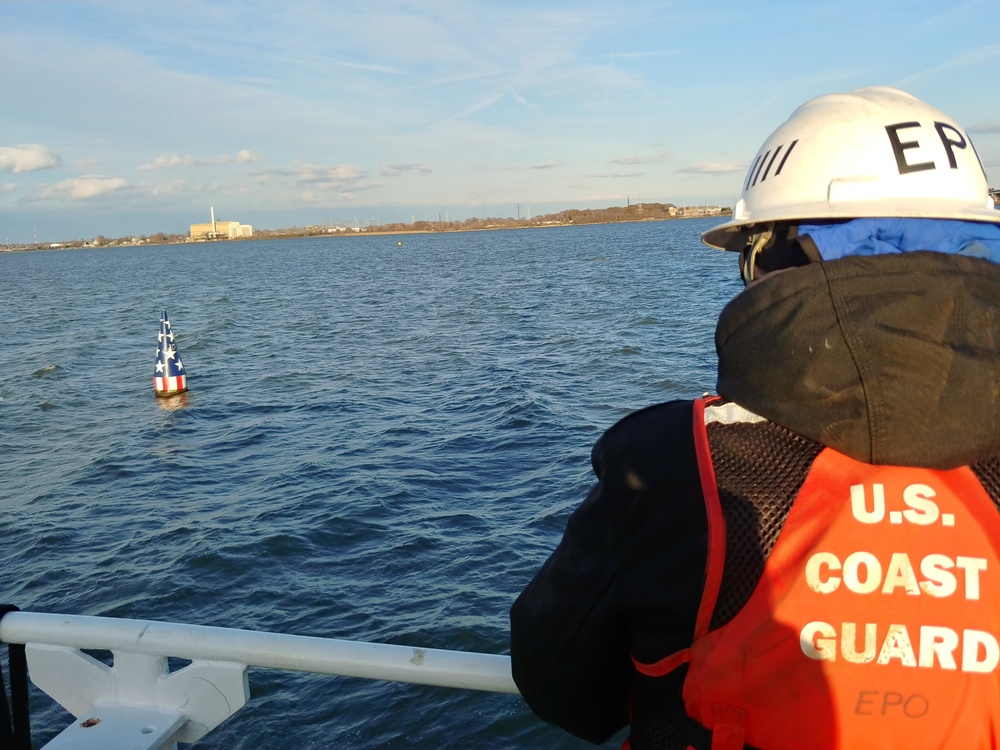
[(874, 152)]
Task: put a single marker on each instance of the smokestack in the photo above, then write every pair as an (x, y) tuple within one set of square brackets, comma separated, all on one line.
[(213, 219)]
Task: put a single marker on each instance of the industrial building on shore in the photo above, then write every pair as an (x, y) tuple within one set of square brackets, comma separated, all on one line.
[(220, 230)]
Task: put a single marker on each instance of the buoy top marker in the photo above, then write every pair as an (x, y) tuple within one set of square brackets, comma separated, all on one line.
[(169, 377)]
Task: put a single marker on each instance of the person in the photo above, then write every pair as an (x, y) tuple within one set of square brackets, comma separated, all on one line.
[(810, 558)]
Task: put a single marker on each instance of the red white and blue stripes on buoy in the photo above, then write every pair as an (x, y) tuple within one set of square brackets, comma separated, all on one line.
[(169, 378)]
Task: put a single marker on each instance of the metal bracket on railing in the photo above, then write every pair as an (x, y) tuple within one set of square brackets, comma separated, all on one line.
[(136, 703)]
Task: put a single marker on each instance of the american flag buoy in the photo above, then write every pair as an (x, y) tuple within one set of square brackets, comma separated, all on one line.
[(169, 378)]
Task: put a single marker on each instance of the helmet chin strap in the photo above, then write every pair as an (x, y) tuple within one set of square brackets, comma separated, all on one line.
[(748, 257)]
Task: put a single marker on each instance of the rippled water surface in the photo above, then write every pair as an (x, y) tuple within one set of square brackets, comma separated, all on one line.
[(380, 443)]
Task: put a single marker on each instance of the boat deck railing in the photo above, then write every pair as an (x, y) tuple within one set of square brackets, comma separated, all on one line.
[(139, 702)]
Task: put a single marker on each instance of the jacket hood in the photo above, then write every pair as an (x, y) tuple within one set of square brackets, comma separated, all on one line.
[(890, 359)]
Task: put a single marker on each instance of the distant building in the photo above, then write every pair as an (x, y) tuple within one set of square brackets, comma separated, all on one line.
[(698, 211), (220, 230)]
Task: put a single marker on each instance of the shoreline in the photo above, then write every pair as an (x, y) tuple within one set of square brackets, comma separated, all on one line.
[(293, 233)]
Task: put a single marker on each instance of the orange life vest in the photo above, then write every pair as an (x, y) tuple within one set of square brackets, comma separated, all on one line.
[(876, 622)]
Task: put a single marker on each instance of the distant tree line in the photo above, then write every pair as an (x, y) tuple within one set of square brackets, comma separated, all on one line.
[(610, 215)]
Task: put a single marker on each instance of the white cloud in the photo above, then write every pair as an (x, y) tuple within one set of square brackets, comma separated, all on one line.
[(657, 156), (166, 162), (986, 126), (522, 101), (174, 187), (27, 158), (344, 174), (713, 167), (615, 176), (980, 57), (371, 67), (396, 170), (83, 188), (244, 156)]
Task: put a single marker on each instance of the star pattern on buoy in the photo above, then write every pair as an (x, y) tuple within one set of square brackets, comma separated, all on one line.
[(169, 377)]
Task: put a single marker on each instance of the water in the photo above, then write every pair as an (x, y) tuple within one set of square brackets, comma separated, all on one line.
[(380, 443)]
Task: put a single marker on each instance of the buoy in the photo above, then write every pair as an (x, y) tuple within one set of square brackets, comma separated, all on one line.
[(399, 244), (169, 378)]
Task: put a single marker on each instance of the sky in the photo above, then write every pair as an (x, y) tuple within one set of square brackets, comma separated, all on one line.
[(124, 118)]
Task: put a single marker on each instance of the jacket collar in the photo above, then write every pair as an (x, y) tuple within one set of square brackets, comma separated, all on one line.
[(891, 359)]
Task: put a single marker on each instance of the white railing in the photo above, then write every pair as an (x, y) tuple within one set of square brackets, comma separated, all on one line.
[(138, 703)]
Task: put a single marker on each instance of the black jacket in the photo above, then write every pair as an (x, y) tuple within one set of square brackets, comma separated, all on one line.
[(889, 359)]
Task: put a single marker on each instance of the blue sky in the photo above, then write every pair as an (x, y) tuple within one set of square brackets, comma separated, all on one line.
[(124, 117)]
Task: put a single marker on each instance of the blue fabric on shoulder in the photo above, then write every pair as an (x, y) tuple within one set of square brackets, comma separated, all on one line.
[(879, 236)]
